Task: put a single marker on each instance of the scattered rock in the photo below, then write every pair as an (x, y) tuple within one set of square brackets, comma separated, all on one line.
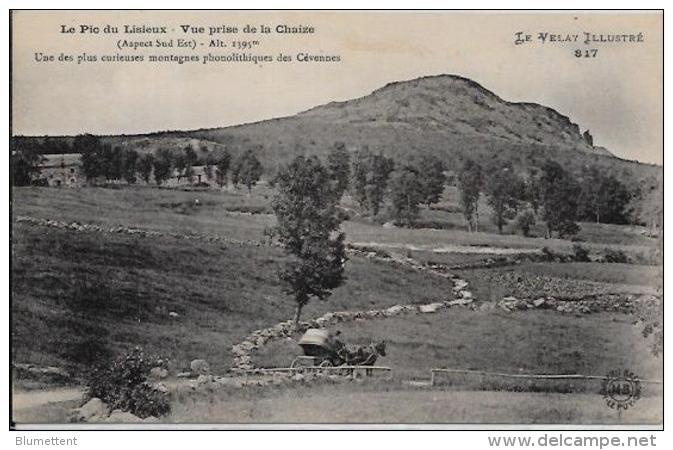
[(94, 408), (430, 308), (173, 314), (200, 366), (539, 302), (459, 302), (393, 310), (459, 284), (160, 387), (119, 416), (158, 373), (487, 306), (151, 419), (203, 379)]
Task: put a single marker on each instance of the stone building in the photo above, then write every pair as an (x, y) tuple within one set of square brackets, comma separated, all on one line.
[(61, 170)]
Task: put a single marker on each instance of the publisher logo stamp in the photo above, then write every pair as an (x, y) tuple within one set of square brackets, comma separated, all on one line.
[(621, 389)]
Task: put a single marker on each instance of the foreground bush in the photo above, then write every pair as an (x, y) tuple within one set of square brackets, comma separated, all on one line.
[(124, 384), (581, 254)]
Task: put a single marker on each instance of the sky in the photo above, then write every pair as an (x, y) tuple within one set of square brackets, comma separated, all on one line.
[(617, 94)]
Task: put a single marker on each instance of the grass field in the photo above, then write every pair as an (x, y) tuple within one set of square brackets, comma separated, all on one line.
[(86, 293), (392, 404), (541, 342), (89, 295), (219, 213), (223, 291), (563, 281)]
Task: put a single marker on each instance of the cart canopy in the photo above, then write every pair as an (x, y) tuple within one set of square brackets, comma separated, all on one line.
[(315, 336)]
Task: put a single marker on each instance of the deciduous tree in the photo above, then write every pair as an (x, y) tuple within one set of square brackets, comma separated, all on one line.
[(247, 170), (469, 185), (130, 165), (145, 165), (406, 194), (25, 162), (433, 179), (504, 192), (308, 229), (90, 150), (338, 167), (163, 165), (559, 193), (370, 179), (222, 169), (603, 198)]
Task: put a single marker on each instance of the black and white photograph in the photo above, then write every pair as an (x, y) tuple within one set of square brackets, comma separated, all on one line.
[(310, 219)]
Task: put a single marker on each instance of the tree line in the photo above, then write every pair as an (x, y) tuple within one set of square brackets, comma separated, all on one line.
[(100, 161), (545, 191), (116, 164), (549, 192)]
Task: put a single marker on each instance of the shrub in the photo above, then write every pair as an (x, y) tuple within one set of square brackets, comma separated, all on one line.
[(525, 220), (567, 228), (124, 385), (344, 214), (615, 256), (581, 253), (434, 224), (547, 254)]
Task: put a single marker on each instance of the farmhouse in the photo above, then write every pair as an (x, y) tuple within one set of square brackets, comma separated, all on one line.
[(61, 170)]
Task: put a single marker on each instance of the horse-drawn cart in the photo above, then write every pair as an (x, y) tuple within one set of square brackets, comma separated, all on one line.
[(318, 350), (324, 350)]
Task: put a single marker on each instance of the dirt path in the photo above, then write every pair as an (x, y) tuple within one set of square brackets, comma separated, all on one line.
[(463, 249), (22, 400)]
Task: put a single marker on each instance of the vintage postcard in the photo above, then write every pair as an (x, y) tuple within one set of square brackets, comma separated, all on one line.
[(336, 219)]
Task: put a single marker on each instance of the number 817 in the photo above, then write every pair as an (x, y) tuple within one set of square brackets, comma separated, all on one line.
[(589, 53)]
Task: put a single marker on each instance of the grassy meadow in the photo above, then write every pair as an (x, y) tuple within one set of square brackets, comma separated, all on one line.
[(389, 402), (90, 295), (541, 342), (117, 291)]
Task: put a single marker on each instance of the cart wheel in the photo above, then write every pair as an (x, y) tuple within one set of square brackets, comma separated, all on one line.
[(326, 363)]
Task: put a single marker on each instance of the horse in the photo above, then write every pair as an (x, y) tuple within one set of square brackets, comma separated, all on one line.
[(365, 355)]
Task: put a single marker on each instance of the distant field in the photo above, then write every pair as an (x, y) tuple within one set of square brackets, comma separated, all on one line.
[(219, 212), (566, 281), (166, 210)]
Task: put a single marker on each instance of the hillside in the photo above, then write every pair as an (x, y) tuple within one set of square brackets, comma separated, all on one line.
[(447, 115)]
